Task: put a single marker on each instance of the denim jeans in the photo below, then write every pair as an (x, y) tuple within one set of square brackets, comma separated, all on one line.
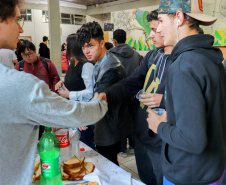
[(144, 164), (166, 182), (87, 137)]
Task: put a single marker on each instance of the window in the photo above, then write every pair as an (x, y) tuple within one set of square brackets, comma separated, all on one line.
[(66, 18), (45, 16), (26, 14), (79, 19), (72, 19)]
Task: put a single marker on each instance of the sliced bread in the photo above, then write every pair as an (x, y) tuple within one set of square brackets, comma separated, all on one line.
[(37, 174), (74, 172), (37, 164), (82, 160), (65, 176), (72, 163), (89, 167)]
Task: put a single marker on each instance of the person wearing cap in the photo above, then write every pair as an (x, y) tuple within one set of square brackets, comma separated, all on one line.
[(194, 137)]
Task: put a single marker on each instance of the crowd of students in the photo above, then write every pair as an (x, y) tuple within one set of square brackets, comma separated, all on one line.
[(177, 124)]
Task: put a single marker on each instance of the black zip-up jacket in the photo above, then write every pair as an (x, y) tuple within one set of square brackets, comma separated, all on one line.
[(194, 149), (150, 76), (107, 72), (44, 51)]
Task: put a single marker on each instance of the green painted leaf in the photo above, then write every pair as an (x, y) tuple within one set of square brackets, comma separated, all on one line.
[(224, 41), (127, 41), (135, 45), (139, 45), (216, 43), (130, 42), (218, 36), (132, 45)]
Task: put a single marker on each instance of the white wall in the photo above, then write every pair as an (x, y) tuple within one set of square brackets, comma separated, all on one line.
[(37, 29), (100, 18)]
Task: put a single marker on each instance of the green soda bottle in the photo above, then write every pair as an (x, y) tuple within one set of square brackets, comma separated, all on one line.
[(49, 151)]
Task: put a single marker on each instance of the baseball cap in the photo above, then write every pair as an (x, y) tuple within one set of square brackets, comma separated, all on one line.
[(193, 8)]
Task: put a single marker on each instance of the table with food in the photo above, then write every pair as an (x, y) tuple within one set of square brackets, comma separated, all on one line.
[(85, 166)]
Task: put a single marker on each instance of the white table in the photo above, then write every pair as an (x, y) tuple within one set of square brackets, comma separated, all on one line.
[(101, 163)]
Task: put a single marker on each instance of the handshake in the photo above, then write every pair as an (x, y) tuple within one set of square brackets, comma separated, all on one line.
[(101, 96)]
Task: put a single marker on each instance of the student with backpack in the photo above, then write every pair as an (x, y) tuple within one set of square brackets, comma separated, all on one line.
[(40, 67)]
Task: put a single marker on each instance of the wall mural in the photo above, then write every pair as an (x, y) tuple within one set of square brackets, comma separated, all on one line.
[(137, 27), (143, 43), (134, 22), (220, 36)]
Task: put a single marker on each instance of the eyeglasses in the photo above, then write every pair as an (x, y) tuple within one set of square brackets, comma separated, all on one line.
[(20, 21), (26, 55)]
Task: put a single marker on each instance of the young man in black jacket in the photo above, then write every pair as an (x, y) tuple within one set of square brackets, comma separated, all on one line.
[(43, 48), (107, 71), (130, 60), (194, 137), (150, 76)]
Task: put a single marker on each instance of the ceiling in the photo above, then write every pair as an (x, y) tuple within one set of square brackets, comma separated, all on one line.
[(89, 2)]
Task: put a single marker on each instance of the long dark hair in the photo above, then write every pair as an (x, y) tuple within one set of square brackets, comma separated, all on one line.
[(74, 49)]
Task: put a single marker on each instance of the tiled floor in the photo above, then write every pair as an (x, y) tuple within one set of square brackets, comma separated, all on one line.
[(129, 164)]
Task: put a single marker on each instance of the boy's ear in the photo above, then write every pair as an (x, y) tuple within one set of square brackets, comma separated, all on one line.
[(102, 44)]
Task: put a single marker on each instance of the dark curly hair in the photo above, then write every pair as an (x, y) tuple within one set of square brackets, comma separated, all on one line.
[(153, 15), (7, 8), (88, 31)]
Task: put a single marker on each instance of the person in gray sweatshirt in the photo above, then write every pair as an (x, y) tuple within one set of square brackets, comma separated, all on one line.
[(34, 105)]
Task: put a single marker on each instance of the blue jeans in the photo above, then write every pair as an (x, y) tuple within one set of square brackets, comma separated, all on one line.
[(87, 137), (144, 164), (166, 182)]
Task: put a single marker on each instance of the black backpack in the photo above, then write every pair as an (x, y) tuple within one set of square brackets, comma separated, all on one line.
[(44, 62)]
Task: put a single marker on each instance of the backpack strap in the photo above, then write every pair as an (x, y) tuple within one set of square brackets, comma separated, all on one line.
[(44, 62), (21, 65)]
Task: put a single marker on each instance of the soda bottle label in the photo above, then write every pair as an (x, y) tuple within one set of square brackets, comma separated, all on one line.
[(50, 168)]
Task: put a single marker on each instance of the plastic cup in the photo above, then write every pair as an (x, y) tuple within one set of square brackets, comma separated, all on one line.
[(142, 91)]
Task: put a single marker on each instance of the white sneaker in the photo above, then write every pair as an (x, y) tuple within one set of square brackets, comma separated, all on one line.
[(123, 154), (131, 150)]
